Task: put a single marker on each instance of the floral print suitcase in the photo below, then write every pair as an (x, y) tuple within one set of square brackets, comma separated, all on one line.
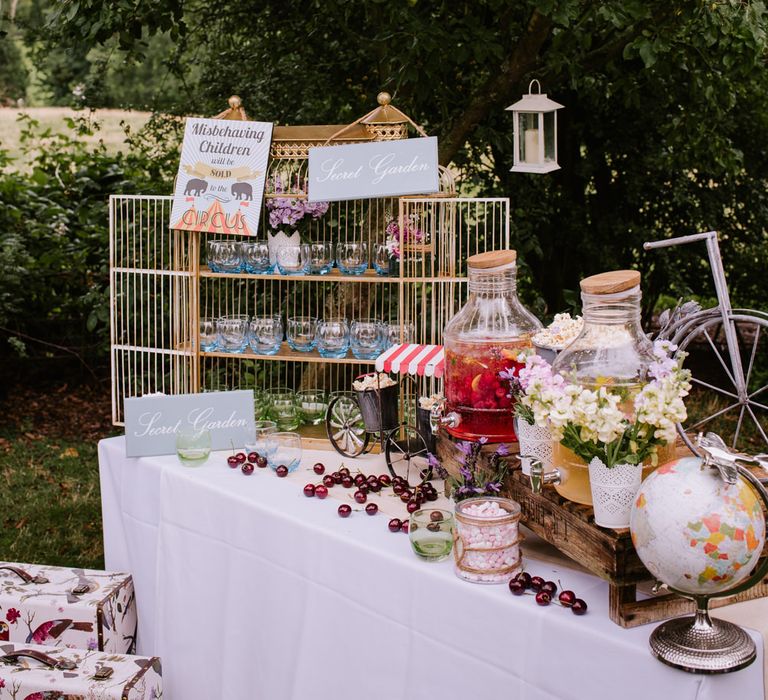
[(33, 672), (79, 608)]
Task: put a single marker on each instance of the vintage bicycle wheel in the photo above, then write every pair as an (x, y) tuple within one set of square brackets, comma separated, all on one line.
[(345, 427), (729, 395), (406, 453)]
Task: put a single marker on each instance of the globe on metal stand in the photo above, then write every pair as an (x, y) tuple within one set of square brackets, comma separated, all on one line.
[(697, 643)]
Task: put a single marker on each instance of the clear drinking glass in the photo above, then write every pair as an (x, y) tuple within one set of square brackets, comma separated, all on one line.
[(227, 256), (193, 446), (259, 441), (293, 259), (333, 337), (208, 337), (266, 334), (381, 258), (256, 257), (213, 255), (320, 258), (431, 533), (398, 334), (285, 410), (313, 404), (287, 450), (302, 333), (352, 258), (366, 338), (232, 333)]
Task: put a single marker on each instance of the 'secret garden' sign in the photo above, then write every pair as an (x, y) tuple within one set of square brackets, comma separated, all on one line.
[(378, 169), (220, 183)]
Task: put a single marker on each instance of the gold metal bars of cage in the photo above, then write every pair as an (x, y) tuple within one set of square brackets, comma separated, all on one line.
[(161, 287)]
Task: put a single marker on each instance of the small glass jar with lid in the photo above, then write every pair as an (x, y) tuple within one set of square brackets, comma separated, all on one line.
[(482, 339), (611, 351)]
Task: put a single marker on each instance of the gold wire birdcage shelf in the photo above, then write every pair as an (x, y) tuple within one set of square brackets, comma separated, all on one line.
[(161, 287)]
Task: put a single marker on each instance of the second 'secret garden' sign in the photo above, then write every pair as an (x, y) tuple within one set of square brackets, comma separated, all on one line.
[(220, 183), (378, 169)]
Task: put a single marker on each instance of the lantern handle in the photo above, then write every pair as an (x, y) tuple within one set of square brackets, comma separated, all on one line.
[(530, 86)]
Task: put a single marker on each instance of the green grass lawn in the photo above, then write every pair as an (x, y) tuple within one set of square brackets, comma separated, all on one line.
[(111, 131), (50, 507)]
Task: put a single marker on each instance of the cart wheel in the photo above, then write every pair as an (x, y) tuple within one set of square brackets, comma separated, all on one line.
[(729, 395), (345, 428), (406, 453)]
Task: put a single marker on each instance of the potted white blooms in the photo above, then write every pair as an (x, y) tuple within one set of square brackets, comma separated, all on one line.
[(595, 424)]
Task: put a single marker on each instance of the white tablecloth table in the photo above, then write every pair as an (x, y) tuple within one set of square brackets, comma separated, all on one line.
[(247, 589)]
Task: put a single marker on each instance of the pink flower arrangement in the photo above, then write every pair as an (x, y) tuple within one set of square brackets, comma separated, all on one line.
[(411, 234), (291, 211)]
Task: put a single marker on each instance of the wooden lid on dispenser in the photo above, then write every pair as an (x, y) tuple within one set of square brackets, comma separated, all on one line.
[(492, 259), (610, 282)]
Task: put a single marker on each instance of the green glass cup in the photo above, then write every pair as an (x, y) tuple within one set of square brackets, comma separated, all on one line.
[(430, 532), (193, 446), (313, 403)]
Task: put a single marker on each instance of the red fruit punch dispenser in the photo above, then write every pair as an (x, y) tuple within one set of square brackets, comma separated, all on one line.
[(483, 339)]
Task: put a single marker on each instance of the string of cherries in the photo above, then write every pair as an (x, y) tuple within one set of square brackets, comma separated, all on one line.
[(413, 497), (525, 584)]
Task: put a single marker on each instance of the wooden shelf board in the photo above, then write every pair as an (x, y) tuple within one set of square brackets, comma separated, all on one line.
[(286, 353), (369, 276)]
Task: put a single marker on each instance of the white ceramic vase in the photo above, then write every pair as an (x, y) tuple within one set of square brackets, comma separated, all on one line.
[(613, 492), (535, 443), (278, 240)]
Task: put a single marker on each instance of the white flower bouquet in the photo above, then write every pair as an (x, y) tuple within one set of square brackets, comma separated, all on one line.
[(593, 423)]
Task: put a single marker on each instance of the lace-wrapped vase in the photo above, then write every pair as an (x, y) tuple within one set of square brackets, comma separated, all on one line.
[(613, 492), (535, 443)]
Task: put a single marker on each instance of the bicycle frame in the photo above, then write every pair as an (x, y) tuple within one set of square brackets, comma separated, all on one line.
[(723, 297)]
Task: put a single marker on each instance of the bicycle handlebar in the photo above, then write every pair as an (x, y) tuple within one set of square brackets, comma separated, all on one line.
[(669, 242)]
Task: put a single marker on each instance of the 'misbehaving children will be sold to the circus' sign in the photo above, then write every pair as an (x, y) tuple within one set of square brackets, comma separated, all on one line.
[(220, 184)]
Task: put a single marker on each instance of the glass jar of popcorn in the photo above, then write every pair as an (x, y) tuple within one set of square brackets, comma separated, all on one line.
[(487, 539)]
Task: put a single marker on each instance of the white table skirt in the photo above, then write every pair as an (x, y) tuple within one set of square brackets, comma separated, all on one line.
[(247, 589)]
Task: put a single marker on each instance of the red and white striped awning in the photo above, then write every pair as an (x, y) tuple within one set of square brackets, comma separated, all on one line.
[(410, 358)]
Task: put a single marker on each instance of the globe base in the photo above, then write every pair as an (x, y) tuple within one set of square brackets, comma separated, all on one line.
[(699, 644)]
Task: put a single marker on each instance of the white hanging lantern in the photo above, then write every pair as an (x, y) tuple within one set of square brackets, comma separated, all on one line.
[(535, 132)]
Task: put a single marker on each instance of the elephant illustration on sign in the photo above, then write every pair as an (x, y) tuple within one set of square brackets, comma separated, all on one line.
[(242, 190), (195, 187)]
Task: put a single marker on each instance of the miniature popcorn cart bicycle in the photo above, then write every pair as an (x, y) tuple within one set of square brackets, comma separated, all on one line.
[(355, 421), (727, 361)]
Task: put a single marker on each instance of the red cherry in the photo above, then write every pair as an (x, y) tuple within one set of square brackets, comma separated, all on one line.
[(536, 583), (252, 457), (247, 468), (516, 587), (406, 496), (432, 495), (319, 468), (405, 526), (435, 516), (579, 607), (543, 598), (240, 457), (412, 506), (525, 578), (395, 524), (309, 490), (385, 480), (347, 482), (374, 486), (328, 481), (363, 488), (344, 471), (398, 489), (359, 479), (345, 510), (232, 461), (282, 471), (336, 477), (371, 509), (566, 598), (321, 491), (550, 587), (360, 497), (262, 462)]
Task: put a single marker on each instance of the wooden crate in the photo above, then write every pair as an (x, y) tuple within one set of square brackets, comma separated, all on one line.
[(606, 553)]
